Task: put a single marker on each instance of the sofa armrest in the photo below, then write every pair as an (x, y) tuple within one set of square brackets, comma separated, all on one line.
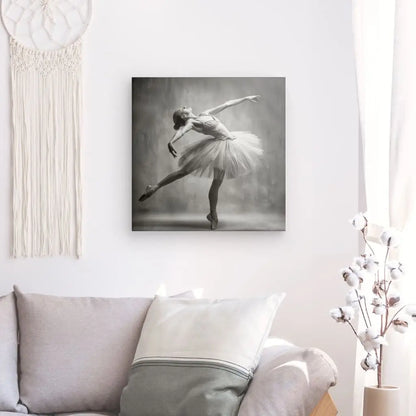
[(289, 381)]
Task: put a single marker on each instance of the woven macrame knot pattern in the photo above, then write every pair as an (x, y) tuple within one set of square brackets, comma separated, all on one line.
[(46, 25), (45, 62)]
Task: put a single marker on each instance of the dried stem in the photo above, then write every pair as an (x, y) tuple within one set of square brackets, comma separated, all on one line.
[(385, 260), (361, 308), (376, 352), (383, 325), (366, 310), (353, 329), (364, 233), (379, 368), (392, 319)]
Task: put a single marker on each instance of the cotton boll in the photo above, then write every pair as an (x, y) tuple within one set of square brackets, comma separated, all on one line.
[(379, 340), (336, 314), (352, 299), (359, 222), (394, 299), (368, 346), (345, 272), (362, 275), (379, 310), (390, 237), (371, 339), (376, 288), (358, 271), (371, 332), (396, 274), (401, 325), (379, 306), (355, 268), (369, 362), (371, 264), (377, 302), (350, 277), (360, 261), (396, 270), (411, 310), (344, 314), (352, 280), (401, 329), (348, 312)]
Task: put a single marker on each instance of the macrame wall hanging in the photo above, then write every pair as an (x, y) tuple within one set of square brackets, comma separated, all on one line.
[(46, 89)]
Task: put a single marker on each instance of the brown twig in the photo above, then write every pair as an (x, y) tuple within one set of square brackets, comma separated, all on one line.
[(383, 325), (353, 329), (392, 319), (364, 233), (362, 310), (379, 368), (366, 310)]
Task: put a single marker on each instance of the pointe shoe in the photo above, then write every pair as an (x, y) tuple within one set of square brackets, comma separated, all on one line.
[(213, 219), (150, 190)]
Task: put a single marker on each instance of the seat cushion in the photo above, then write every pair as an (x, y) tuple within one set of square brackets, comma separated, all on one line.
[(9, 388), (88, 414), (75, 353), (13, 414)]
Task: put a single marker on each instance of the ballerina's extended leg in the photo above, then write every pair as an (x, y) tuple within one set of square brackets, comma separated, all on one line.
[(212, 217), (151, 189)]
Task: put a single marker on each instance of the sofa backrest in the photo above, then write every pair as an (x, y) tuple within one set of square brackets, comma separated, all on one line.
[(75, 353)]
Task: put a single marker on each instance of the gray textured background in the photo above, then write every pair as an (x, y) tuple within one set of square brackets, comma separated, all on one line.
[(255, 201)]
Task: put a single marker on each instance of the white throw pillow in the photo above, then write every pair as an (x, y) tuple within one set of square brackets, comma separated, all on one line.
[(197, 356)]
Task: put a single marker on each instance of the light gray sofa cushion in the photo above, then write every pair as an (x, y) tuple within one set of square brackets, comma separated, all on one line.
[(87, 414), (75, 353), (16, 414), (13, 414), (61, 414), (9, 387), (289, 381)]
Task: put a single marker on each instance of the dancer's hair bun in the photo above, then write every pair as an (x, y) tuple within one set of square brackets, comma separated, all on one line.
[(178, 120)]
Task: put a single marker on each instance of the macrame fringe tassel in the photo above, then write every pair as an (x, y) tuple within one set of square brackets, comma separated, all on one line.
[(46, 116)]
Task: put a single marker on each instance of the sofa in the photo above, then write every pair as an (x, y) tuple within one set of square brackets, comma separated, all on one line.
[(71, 356)]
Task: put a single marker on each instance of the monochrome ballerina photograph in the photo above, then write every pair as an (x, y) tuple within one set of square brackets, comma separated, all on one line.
[(221, 167)]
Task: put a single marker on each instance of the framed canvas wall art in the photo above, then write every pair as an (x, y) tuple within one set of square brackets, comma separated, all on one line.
[(208, 154)]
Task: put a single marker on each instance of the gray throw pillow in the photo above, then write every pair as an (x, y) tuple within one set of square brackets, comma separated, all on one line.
[(75, 353)]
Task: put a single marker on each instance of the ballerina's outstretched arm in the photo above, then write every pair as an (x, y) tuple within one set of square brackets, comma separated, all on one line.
[(231, 103), (178, 135)]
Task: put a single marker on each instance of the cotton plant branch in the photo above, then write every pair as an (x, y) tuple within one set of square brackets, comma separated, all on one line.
[(365, 270), (353, 329), (364, 232), (367, 324), (398, 312), (366, 310)]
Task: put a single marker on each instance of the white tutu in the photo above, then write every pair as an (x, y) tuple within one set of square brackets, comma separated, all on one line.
[(211, 156)]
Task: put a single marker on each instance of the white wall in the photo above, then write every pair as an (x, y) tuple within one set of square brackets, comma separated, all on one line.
[(309, 42)]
